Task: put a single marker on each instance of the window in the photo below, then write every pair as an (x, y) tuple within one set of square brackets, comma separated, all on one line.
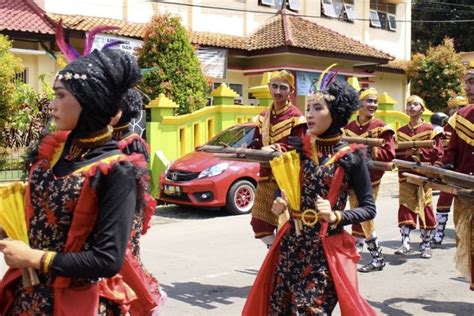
[(392, 22), (267, 2), (374, 19), (293, 5), (328, 9), (338, 6), (21, 76), (383, 20), (349, 10), (383, 15), (338, 9), (237, 87)]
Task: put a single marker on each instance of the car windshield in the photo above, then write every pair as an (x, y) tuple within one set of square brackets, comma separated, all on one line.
[(235, 136)]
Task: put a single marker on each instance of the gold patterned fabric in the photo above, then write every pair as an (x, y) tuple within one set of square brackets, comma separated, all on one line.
[(285, 76), (415, 198), (368, 227), (274, 132), (265, 195), (368, 92), (463, 222)]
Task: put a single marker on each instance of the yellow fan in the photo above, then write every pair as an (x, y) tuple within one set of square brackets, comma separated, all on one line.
[(12, 211), (13, 221), (286, 170)]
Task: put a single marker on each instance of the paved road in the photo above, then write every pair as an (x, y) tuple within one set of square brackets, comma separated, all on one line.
[(207, 262)]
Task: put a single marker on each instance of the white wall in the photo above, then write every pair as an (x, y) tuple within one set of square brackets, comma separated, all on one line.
[(394, 85), (103, 8), (195, 18)]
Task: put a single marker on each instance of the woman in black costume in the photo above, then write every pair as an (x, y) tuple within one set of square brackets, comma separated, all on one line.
[(81, 190)]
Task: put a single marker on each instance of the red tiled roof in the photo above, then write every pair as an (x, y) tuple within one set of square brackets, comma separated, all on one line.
[(24, 16), (218, 40), (288, 29), (282, 30), (395, 66), (85, 23)]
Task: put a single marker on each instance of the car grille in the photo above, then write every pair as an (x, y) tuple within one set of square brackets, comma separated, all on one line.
[(181, 197), (175, 175)]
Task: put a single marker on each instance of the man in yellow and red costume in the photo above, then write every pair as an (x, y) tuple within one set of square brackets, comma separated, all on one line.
[(367, 126), (445, 199), (415, 202), (460, 155), (275, 125)]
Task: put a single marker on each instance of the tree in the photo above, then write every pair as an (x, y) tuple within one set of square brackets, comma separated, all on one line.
[(9, 66), (437, 75), (171, 65), (425, 35)]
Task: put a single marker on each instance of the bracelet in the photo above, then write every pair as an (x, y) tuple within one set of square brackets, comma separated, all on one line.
[(46, 261), (338, 217)]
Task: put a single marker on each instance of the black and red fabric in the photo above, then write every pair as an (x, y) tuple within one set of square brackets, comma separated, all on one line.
[(327, 262), (63, 215)]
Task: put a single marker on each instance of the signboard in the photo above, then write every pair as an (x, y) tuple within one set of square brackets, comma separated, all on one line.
[(306, 81), (128, 44), (213, 61)]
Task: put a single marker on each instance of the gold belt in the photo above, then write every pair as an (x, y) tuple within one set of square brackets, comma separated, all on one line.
[(308, 217)]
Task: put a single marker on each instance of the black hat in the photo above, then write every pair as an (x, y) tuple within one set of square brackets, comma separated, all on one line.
[(439, 118), (99, 81)]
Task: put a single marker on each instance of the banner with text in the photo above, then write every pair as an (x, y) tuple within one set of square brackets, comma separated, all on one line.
[(127, 44), (213, 61), (306, 81)]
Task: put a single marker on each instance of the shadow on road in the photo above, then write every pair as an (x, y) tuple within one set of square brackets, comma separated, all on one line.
[(389, 306), (205, 296), (181, 212), (389, 247)]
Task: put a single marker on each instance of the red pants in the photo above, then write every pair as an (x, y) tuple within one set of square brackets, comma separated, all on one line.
[(444, 202), (409, 218)]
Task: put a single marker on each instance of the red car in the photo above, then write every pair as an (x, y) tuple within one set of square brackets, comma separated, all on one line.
[(200, 179)]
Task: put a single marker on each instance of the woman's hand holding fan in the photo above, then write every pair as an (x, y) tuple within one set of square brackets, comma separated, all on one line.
[(13, 223)]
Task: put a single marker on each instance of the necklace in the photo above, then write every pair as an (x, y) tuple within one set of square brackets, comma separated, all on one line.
[(81, 146), (326, 145), (120, 131)]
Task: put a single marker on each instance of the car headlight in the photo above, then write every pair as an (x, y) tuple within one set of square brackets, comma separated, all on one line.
[(214, 170)]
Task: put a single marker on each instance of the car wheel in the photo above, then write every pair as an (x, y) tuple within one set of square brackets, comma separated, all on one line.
[(240, 197)]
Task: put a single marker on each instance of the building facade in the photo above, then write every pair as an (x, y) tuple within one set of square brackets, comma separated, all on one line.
[(368, 39)]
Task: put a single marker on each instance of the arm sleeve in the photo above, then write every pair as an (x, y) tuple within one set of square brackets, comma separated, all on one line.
[(435, 153), (450, 156), (387, 152), (117, 197), (298, 131), (360, 181)]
